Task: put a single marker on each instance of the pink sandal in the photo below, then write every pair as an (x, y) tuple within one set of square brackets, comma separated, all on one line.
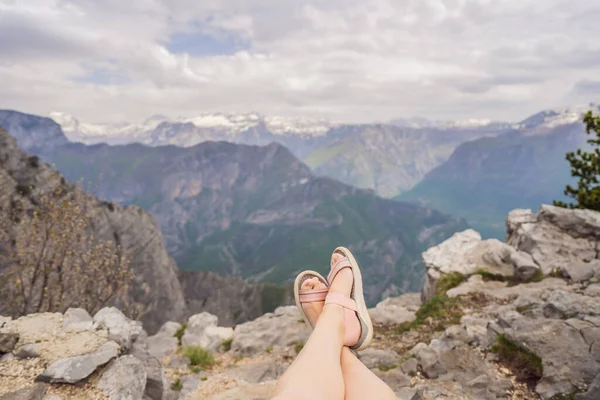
[(308, 296), (359, 328)]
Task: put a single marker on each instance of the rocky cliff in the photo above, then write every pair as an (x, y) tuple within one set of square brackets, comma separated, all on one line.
[(156, 287), (514, 320)]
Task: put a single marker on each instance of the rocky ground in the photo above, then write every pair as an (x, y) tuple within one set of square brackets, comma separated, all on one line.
[(514, 320)]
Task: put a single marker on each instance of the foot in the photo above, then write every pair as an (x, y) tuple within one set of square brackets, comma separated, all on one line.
[(342, 283), (313, 310)]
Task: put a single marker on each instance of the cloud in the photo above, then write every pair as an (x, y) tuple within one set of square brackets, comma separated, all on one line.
[(349, 60)]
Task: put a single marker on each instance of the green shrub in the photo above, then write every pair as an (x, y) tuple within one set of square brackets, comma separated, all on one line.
[(447, 282), (385, 368), (226, 345), (488, 276), (179, 333), (441, 309), (177, 385), (199, 357), (526, 365), (299, 346)]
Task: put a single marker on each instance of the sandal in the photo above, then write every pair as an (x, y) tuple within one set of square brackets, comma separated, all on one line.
[(308, 296), (358, 336)]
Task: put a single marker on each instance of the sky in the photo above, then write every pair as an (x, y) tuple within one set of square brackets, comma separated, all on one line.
[(345, 60)]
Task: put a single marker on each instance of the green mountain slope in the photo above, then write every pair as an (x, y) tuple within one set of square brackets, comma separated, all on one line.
[(483, 180)]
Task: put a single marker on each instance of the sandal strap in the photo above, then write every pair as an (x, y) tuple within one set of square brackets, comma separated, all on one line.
[(340, 265), (342, 300), (312, 296)]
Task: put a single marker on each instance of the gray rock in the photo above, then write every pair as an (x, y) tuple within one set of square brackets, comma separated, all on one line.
[(156, 381), (525, 267), (565, 354), (554, 238), (123, 379), (394, 378), (8, 341), (409, 366), (593, 392), (257, 372), (164, 343), (7, 357), (373, 358), (583, 271), (74, 369), (428, 361), (409, 394), (120, 328), (178, 362), (34, 392), (396, 310), (77, 319), (202, 330), (190, 383), (563, 304), (280, 328), (30, 350)]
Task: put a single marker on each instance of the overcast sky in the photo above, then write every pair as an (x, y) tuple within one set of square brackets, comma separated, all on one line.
[(347, 60)]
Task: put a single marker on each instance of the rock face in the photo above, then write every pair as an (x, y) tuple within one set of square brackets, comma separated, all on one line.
[(282, 328), (156, 286), (553, 321), (124, 378), (465, 253)]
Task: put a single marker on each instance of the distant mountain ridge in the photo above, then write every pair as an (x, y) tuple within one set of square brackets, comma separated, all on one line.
[(523, 168), (388, 158), (255, 212)]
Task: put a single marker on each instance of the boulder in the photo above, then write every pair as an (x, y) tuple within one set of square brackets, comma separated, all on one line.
[(565, 355), (120, 328), (284, 327), (8, 341), (396, 310), (394, 378), (374, 358), (564, 304), (593, 392), (465, 253), (556, 238), (189, 384), (74, 369), (410, 366), (34, 392), (77, 319), (164, 343), (124, 379), (202, 330), (407, 393), (31, 350), (156, 381)]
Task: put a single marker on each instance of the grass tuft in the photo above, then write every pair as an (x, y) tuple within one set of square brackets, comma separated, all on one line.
[(199, 357), (179, 333), (385, 368), (440, 312), (447, 282), (488, 276), (299, 346), (177, 385), (538, 277), (526, 365)]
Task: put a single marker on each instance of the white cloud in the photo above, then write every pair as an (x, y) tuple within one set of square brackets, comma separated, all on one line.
[(348, 60)]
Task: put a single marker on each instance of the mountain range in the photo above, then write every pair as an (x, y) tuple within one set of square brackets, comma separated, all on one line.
[(388, 158), (251, 211), (522, 168)]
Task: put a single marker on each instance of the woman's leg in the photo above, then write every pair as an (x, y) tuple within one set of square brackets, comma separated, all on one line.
[(316, 373), (360, 382)]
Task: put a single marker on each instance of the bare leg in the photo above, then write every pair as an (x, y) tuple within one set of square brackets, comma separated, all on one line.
[(360, 382), (316, 373)]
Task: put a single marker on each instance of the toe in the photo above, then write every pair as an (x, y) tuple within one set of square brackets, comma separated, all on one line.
[(335, 257), (309, 284)]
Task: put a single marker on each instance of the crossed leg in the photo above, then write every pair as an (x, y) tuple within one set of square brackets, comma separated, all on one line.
[(325, 369)]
